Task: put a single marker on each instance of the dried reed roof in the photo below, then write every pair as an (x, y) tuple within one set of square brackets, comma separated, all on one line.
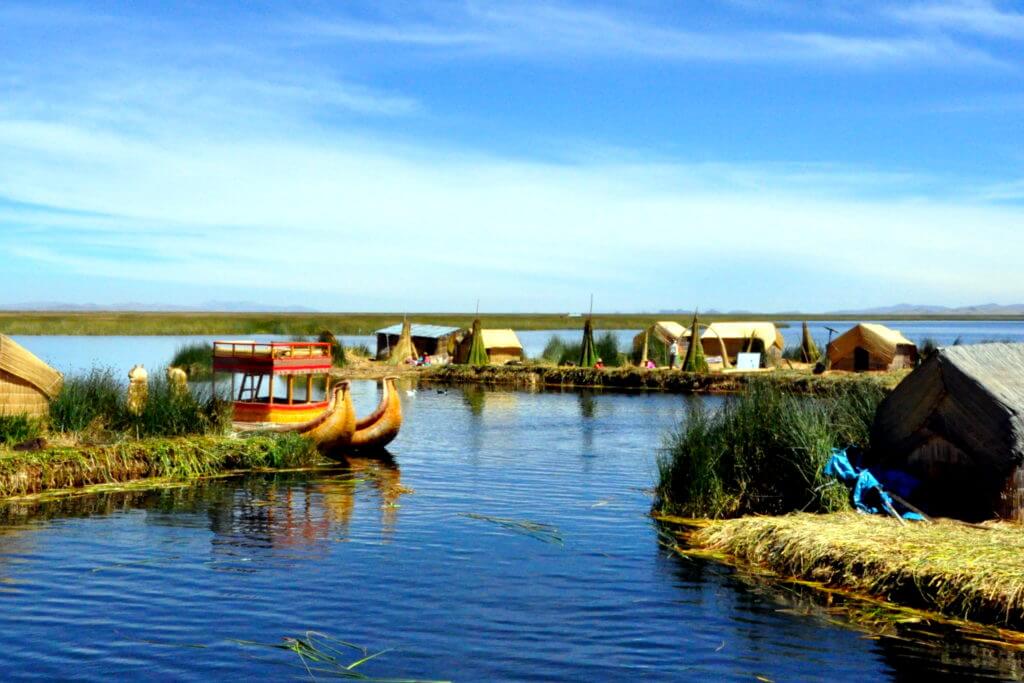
[(879, 340), (663, 330), (765, 331), (21, 363), (969, 396), (500, 339)]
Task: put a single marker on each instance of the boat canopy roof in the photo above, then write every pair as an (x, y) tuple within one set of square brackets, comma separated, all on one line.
[(420, 330), (272, 358)]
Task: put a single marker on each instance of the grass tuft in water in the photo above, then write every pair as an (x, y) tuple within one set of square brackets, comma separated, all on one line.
[(320, 654), (542, 532)]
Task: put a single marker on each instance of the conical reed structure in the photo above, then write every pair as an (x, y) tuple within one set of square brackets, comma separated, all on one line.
[(404, 349), (588, 355), (695, 360), (809, 352), (477, 351)]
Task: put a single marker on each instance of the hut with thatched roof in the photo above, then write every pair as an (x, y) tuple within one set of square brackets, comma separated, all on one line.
[(502, 347), (27, 384), (870, 346), (433, 340), (742, 337), (653, 341), (956, 424)]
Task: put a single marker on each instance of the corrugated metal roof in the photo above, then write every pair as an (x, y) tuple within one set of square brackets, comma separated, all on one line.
[(418, 330)]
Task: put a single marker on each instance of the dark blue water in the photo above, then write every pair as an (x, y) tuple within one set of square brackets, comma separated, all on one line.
[(163, 584)]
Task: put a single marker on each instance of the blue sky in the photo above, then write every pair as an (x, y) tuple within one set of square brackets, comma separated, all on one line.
[(419, 156)]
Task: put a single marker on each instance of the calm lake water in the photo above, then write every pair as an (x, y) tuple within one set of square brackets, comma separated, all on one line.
[(175, 584)]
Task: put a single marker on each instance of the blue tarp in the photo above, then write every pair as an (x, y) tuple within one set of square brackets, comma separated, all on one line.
[(868, 494)]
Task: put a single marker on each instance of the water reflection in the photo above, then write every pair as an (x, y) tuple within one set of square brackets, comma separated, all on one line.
[(382, 474)]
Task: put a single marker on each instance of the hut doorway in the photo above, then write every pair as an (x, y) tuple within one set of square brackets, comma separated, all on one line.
[(861, 359)]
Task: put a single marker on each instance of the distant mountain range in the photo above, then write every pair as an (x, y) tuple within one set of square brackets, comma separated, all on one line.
[(209, 306), (914, 309)]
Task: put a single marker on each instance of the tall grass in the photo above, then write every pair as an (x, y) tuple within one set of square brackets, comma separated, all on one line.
[(561, 352), (15, 429), (98, 402), (85, 400), (763, 452)]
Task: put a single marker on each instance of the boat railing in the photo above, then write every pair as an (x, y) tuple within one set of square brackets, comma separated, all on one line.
[(271, 350)]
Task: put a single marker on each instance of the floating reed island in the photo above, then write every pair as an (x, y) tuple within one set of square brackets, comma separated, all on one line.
[(751, 484), (971, 572)]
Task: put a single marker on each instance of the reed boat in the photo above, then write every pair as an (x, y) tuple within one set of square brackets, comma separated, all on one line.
[(379, 428), (331, 423)]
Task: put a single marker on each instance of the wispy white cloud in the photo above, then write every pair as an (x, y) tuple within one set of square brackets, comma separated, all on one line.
[(539, 30), (963, 16)]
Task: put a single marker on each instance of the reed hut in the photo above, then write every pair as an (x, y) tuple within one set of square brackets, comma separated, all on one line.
[(742, 337), (434, 340), (27, 384), (871, 347), (659, 335), (956, 425), (501, 345)]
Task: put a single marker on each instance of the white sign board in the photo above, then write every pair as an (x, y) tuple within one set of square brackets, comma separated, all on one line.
[(748, 361)]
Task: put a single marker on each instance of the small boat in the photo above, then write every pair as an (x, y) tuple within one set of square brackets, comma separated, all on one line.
[(330, 423)]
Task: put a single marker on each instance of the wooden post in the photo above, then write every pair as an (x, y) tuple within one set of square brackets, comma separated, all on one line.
[(291, 389), (309, 388), (233, 386), (270, 390)]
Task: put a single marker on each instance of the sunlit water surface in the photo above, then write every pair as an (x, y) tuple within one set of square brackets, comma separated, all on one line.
[(165, 584)]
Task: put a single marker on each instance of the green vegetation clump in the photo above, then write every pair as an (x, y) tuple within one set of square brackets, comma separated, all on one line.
[(607, 346), (98, 402), (195, 359), (85, 400), (15, 429), (554, 350), (337, 348), (30, 472), (169, 411), (763, 452)]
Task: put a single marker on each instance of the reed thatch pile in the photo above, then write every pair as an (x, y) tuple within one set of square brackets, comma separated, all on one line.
[(588, 356), (951, 568), (477, 349), (404, 351)]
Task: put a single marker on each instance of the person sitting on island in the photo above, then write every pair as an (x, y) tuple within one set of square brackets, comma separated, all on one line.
[(649, 364), (599, 365)]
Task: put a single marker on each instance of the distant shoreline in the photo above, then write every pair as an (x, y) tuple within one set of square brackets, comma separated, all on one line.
[(94, 323)]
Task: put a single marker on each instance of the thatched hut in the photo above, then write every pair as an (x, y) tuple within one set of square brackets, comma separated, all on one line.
[(656, 336), (742, 337), (502, 346), (27, 384), (870, 346), (433, 340), (956, 424)]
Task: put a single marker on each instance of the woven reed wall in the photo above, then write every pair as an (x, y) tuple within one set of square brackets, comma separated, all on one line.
[(18, 396)]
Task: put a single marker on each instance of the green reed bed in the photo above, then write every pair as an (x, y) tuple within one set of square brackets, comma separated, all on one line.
[(15, 429), (763, 452), (97, 402), (61, 467), (954, 569), (196, 359)]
